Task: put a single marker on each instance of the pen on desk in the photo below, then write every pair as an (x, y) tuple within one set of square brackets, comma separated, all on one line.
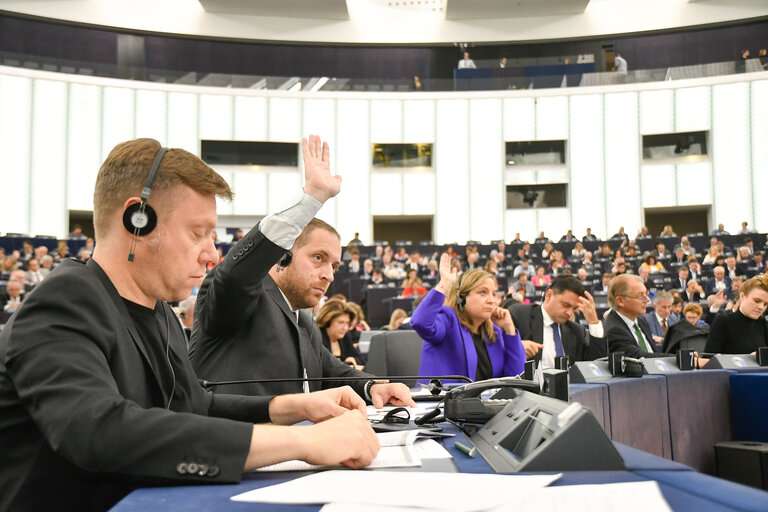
[(466, 450)]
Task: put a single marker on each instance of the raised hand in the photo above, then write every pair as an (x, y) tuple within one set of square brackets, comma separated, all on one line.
[(448, 275), (587, 308), (319, 182)]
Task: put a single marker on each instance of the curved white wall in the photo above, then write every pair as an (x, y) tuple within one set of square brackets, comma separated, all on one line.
[(375, 22), (56, 129)]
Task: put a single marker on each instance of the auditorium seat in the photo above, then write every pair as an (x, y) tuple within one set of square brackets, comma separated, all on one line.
[(395, 353)]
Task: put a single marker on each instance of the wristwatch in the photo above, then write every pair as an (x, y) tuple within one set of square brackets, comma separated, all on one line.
[(369, 385)]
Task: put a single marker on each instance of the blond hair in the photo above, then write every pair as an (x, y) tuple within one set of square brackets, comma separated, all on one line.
[(759, 281), (467, 282), (124, 174)]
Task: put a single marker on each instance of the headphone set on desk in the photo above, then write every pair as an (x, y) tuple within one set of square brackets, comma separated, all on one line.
[(140, 219)]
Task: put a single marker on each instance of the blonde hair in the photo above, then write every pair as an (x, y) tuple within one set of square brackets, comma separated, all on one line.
[(398, 314), (759, 281), (693, 307), (467, 282), (124, 174), (332, 309)]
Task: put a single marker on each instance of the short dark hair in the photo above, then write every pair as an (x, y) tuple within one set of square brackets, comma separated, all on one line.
[(567, 283)]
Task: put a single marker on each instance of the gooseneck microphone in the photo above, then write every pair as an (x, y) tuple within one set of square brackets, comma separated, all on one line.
[(209, 384)]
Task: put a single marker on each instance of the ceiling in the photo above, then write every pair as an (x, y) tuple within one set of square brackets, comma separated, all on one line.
[(394, 21)]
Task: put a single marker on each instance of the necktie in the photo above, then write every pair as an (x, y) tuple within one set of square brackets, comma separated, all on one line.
[(664, 325), (641, 339), (558, 341)]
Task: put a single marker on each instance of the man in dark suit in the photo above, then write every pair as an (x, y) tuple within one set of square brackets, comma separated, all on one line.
[(682, 280), (252, 317), (719, 281), (626, 329), (548, 331), (97, 395), (660, 320)]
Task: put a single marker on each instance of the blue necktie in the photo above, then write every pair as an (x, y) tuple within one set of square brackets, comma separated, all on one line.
[(558, 341)]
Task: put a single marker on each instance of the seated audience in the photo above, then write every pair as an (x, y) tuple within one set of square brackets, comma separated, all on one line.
[(718, 282), (693, 292), (602, 286), (357, 324), (659, 320), (578, 250), (465, 308), (667, 232), (541, 278), (524, 287), (693, 313), (652, 264), (377, 279), (412, 285), (745, 329), (524, 266), (334, 320), (589, 237), (568, 237), (396, 319)]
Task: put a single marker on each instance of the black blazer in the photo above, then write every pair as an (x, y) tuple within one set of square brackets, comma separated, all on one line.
[(621, 338), (82, 411), (244, 328), (347, 347), (578, 344)]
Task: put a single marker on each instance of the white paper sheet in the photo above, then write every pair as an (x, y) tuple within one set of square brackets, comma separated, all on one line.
[(397, 451), (458, 492), (626, 497), (631, 496)]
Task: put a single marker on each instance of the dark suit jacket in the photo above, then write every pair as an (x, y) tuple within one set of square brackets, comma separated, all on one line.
[(82, 411), (244, 328), (578, 344), (675, 284), (709, 287), (621, 339)]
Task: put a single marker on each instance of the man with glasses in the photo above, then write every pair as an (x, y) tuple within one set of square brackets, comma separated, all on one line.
[(626, 328)]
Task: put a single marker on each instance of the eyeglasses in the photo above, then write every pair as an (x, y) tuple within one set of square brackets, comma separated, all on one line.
[(642, 297)]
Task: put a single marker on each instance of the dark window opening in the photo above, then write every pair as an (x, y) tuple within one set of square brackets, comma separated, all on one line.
[(230, 152), (535, 152), (537, 196), (402, 155), (674, 145)]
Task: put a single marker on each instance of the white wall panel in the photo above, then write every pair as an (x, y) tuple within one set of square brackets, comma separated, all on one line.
[(622, 163), (554, 222), (692, 108), (15, 132), (759, 153), (226, 172), (730, 154), (659, 188), (486, 167), (552, 118), (353, 162), (521, 221), (694, 184), (83, 153), (387, 193), (151, 115), (419, 193), (585, 153), (283, 189), (216, 115), (251, 120), (117, 118), (519, 119), (451, 160), (285, 120), (657, 112), (47, 191), (320, 119), (386, 121), (183, 113), (418, 121), (250, 193)]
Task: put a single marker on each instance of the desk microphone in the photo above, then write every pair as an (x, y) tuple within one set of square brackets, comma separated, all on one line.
[(209, 384)]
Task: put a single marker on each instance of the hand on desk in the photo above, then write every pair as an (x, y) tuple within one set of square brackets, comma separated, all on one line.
[(395, 393), (317, 406)]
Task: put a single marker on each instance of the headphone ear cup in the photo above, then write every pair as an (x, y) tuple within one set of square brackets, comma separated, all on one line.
[(285, 259), (139, 219)]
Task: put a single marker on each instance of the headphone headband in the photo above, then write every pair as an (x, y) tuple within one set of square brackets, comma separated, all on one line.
[(152, 175)]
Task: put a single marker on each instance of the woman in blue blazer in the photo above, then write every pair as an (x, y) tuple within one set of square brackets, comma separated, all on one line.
[(465, 332)]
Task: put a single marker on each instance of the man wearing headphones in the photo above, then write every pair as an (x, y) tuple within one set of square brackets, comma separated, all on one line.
[(97, 394), (251, 317)]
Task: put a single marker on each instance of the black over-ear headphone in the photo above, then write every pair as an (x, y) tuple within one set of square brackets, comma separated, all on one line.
[(460, 299), (140, 218), (284, 260)]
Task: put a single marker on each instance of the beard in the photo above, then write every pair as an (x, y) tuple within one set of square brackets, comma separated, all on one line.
[(299, 294)]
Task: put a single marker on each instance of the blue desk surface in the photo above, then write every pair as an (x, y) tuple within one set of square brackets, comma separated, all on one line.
[(683, 488)]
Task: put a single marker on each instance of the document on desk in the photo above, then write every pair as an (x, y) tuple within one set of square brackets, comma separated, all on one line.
[(397, 451), (452, 492)]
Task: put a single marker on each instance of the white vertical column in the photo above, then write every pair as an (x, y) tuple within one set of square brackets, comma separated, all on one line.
[(83, 151), (15, 137), (353, 162), (486, 164), (586, 153), (451, 159)]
